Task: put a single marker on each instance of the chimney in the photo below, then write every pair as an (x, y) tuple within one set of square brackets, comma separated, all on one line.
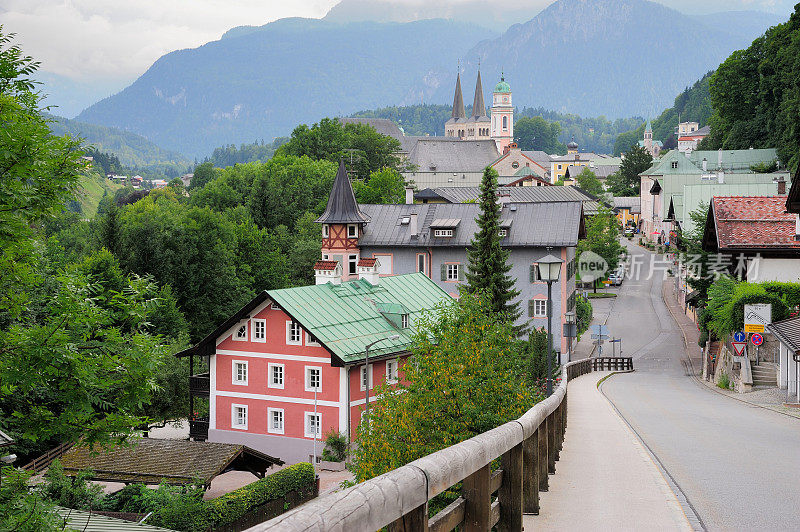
[(781, 186), (705, 164), (327, 271), (719, 159), (367, 270), (721, 177), (409, 196), (412, 225), (797, 226)]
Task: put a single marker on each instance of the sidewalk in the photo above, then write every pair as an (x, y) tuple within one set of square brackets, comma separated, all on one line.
[(605, 479), (691, 334)]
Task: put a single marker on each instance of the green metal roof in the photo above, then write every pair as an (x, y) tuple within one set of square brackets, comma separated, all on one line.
[(502, 86), (666, 166), (92, 522), (734, 160), (348, 316)]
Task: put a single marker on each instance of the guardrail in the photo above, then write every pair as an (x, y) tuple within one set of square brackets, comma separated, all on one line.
[(612, 363), (39, 464), (528, 449)]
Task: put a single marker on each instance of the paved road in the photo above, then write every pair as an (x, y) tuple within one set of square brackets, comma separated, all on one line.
[(738, 465)]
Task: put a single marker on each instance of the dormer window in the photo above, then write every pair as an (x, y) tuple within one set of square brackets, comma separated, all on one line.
[(443, 233), (503, 233), (404, 321), (352, 231), (674, 164)]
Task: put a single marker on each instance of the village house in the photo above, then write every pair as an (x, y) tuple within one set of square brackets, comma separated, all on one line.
[(289, 367), (515, 164), (433, 238), (687, 142)]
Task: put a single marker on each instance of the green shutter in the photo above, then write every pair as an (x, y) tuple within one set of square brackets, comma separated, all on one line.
[(444, 272), (534, 273), (530, 308), (460, 272)]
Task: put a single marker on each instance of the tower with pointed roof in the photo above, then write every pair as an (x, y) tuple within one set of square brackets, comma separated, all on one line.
[(478, 125), (342, 225), (457, 125), (653, 148), (502, 129)]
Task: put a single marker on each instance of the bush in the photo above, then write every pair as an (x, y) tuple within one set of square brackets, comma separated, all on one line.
[(725, 382), (583, 314), (73, 493), (335, 447), (703, 339)]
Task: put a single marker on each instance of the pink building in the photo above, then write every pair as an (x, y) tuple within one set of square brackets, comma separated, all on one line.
[(290, 365)]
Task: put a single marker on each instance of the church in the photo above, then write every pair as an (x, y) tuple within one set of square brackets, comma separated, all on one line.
[(479, 126)]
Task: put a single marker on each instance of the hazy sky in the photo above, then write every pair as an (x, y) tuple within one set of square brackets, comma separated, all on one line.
[(117, 40)]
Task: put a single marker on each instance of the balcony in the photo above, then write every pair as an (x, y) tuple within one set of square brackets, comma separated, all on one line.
[(200, 385), (198, 429)]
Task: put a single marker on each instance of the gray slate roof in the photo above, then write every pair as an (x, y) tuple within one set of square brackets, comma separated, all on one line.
[(478, 107), (540, 157), (458, 101), (441, 154), (627, 202), (342, 206), (788, 332), (532, 224), (516, 194)]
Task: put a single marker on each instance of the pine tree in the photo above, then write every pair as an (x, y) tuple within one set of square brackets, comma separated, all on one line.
[(488, 261)]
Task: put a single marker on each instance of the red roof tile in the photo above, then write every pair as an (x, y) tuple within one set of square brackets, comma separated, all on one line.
[(367, 263), (325, 264), (754, 222)]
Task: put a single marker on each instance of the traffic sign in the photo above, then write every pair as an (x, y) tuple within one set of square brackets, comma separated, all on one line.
[(757, 339), (739, 336), (753, 328), (739, 348)]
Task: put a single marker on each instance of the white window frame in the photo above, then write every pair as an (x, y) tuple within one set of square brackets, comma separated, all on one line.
[(307, 378), (361, 377), (235, 372), (271, 368), (537, 312), (424, 258), (235, 335), (289, 341), (256, 323), (235, 419), (354, 232), (274, 306), (452, 272), (307, 424), (325, 231), (503, 233), (270, 428), (404, 321), (443, 233), (352, 264), (391, 379), (311, 340)]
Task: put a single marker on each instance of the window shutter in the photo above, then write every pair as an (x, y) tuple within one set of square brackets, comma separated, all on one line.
[(444, 272), (530, 308), (534, 273), (460, 272)]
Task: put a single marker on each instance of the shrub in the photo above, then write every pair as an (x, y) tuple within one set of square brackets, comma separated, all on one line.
[(73, 493), (583, 314), (726, 301), (724, 381), (335, 447), (703, 339)]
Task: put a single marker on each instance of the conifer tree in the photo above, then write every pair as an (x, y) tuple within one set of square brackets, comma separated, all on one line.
[(488, 261)]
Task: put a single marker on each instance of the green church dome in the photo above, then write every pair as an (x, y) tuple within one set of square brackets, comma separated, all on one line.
[(502, 86)]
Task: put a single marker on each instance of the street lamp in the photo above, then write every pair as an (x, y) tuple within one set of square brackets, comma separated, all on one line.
[(366, 371), (549, 272), (571, 332)]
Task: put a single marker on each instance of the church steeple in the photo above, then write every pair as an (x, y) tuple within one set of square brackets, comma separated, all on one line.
[(458, 101), (478, 107), (342, 207)]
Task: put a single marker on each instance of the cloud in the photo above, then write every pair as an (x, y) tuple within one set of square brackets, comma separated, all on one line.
[(119, 39)]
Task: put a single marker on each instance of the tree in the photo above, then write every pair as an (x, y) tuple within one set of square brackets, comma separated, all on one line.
[(694, 257), (203, 174), (488, 261), (587, 180), (22, 507), (383, 186), (461, 382), (536, 133), (602, 237), (626, 181)]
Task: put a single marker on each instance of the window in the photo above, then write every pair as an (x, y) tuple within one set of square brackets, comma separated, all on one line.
[(443, 232), (404, 321), (276, 376), (239, 372), (364, 377), (352, 231), (391, 371), (294, 335), (503, 233), (275, 420), (312, 424), (559, 167), (325, 231), (239, 416), (352, 262), (259, 330), (537, 308), (274, 306), (311, 340), (241, 333), (451, 272), (313, 379), (674, 164), (534, 273), (422, 263), (505, 120)]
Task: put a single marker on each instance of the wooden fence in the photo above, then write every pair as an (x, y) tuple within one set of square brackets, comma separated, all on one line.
[(527, 447), (612, 363), (37, 465)]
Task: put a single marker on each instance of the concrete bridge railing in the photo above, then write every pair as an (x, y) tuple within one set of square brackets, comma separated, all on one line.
[(527, 447)]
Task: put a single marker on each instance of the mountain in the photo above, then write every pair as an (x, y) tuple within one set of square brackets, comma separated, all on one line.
[(132, 150), (68, 97), (259, 83), (606, 57)]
